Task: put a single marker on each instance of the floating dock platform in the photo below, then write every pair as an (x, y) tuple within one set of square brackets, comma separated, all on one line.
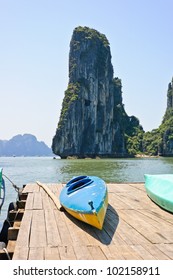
[(134, 228)]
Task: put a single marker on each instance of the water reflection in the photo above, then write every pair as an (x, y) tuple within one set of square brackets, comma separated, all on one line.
[(115, 170)]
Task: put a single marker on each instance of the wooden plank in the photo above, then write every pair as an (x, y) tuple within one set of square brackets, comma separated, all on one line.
[(77, 230), (117, 202), (23, 196), (128, 253), (97, 253), (14, 215), (129, 201), (13, 233), (21, 204), (52, 232), (51, 194), (82, 252), (52, 253), (143, 253), (67, 252), (38, 230), (111, 226), (163, 214), (76, 233), (143, 227), (29, 201), (89, 233), (138, 186), (17, 224), (37, 202), (36, 254), (45, 200), (167, 249), (113, 252), (129, 234), (11, 246), (161, 228), (107, 252), (24, 232), (20, 253), (162, 217), (119, 188), (62, 227), (31, 187), (55, 188), (155, 252)]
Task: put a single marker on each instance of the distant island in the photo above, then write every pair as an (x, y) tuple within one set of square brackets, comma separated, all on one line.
[(24, 145)]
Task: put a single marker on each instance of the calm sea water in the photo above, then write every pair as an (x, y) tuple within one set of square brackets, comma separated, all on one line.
[(23, 170)]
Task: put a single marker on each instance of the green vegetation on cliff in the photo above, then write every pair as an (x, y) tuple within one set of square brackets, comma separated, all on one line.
[(71, 94), (152, 142), (92, 34), (160, 141), (134, 139), (133, 131)]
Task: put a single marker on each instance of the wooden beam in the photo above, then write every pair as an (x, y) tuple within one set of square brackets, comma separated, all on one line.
[(51, 194), (15, 215), (13, 233), (21, 204)]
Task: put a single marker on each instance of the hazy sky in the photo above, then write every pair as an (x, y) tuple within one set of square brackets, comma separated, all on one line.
[(34, 50)]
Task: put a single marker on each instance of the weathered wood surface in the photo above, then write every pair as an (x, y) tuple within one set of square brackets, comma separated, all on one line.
[(134, 228)]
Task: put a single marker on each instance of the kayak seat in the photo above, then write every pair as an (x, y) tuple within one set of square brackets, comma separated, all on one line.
[(76, 179), (79, 185)]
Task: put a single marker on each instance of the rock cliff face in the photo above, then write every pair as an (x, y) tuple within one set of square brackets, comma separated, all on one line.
[(93, 121), (170, 96), (160, 141), (167, 124)]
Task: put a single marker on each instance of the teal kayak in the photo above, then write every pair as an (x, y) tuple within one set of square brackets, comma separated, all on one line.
[(160, 189)]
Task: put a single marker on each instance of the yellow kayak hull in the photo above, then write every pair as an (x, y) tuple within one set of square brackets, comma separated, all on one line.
[(93, 219)]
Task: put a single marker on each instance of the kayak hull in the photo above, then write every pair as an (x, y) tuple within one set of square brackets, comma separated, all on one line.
[(93, 219), (160, 189)]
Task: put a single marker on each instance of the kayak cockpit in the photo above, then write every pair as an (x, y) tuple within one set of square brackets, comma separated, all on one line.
[(78, 183)]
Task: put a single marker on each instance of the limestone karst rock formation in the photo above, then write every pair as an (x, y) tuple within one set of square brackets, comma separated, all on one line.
[(166, 128), (160, 140), (93, 121)]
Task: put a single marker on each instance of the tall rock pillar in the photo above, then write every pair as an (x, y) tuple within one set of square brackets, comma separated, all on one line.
[(93, 119)]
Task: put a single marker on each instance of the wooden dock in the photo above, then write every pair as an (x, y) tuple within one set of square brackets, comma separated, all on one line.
[(134, 228)]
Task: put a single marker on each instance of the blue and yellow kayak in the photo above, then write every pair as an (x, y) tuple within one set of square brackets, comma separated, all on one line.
[(160, 189), (86, 198)]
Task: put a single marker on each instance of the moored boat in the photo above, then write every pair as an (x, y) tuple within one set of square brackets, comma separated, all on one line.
[(160, 189), (2, 189), (86, 198)]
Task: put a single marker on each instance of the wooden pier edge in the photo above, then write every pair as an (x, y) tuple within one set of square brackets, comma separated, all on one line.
[(134, 228)]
